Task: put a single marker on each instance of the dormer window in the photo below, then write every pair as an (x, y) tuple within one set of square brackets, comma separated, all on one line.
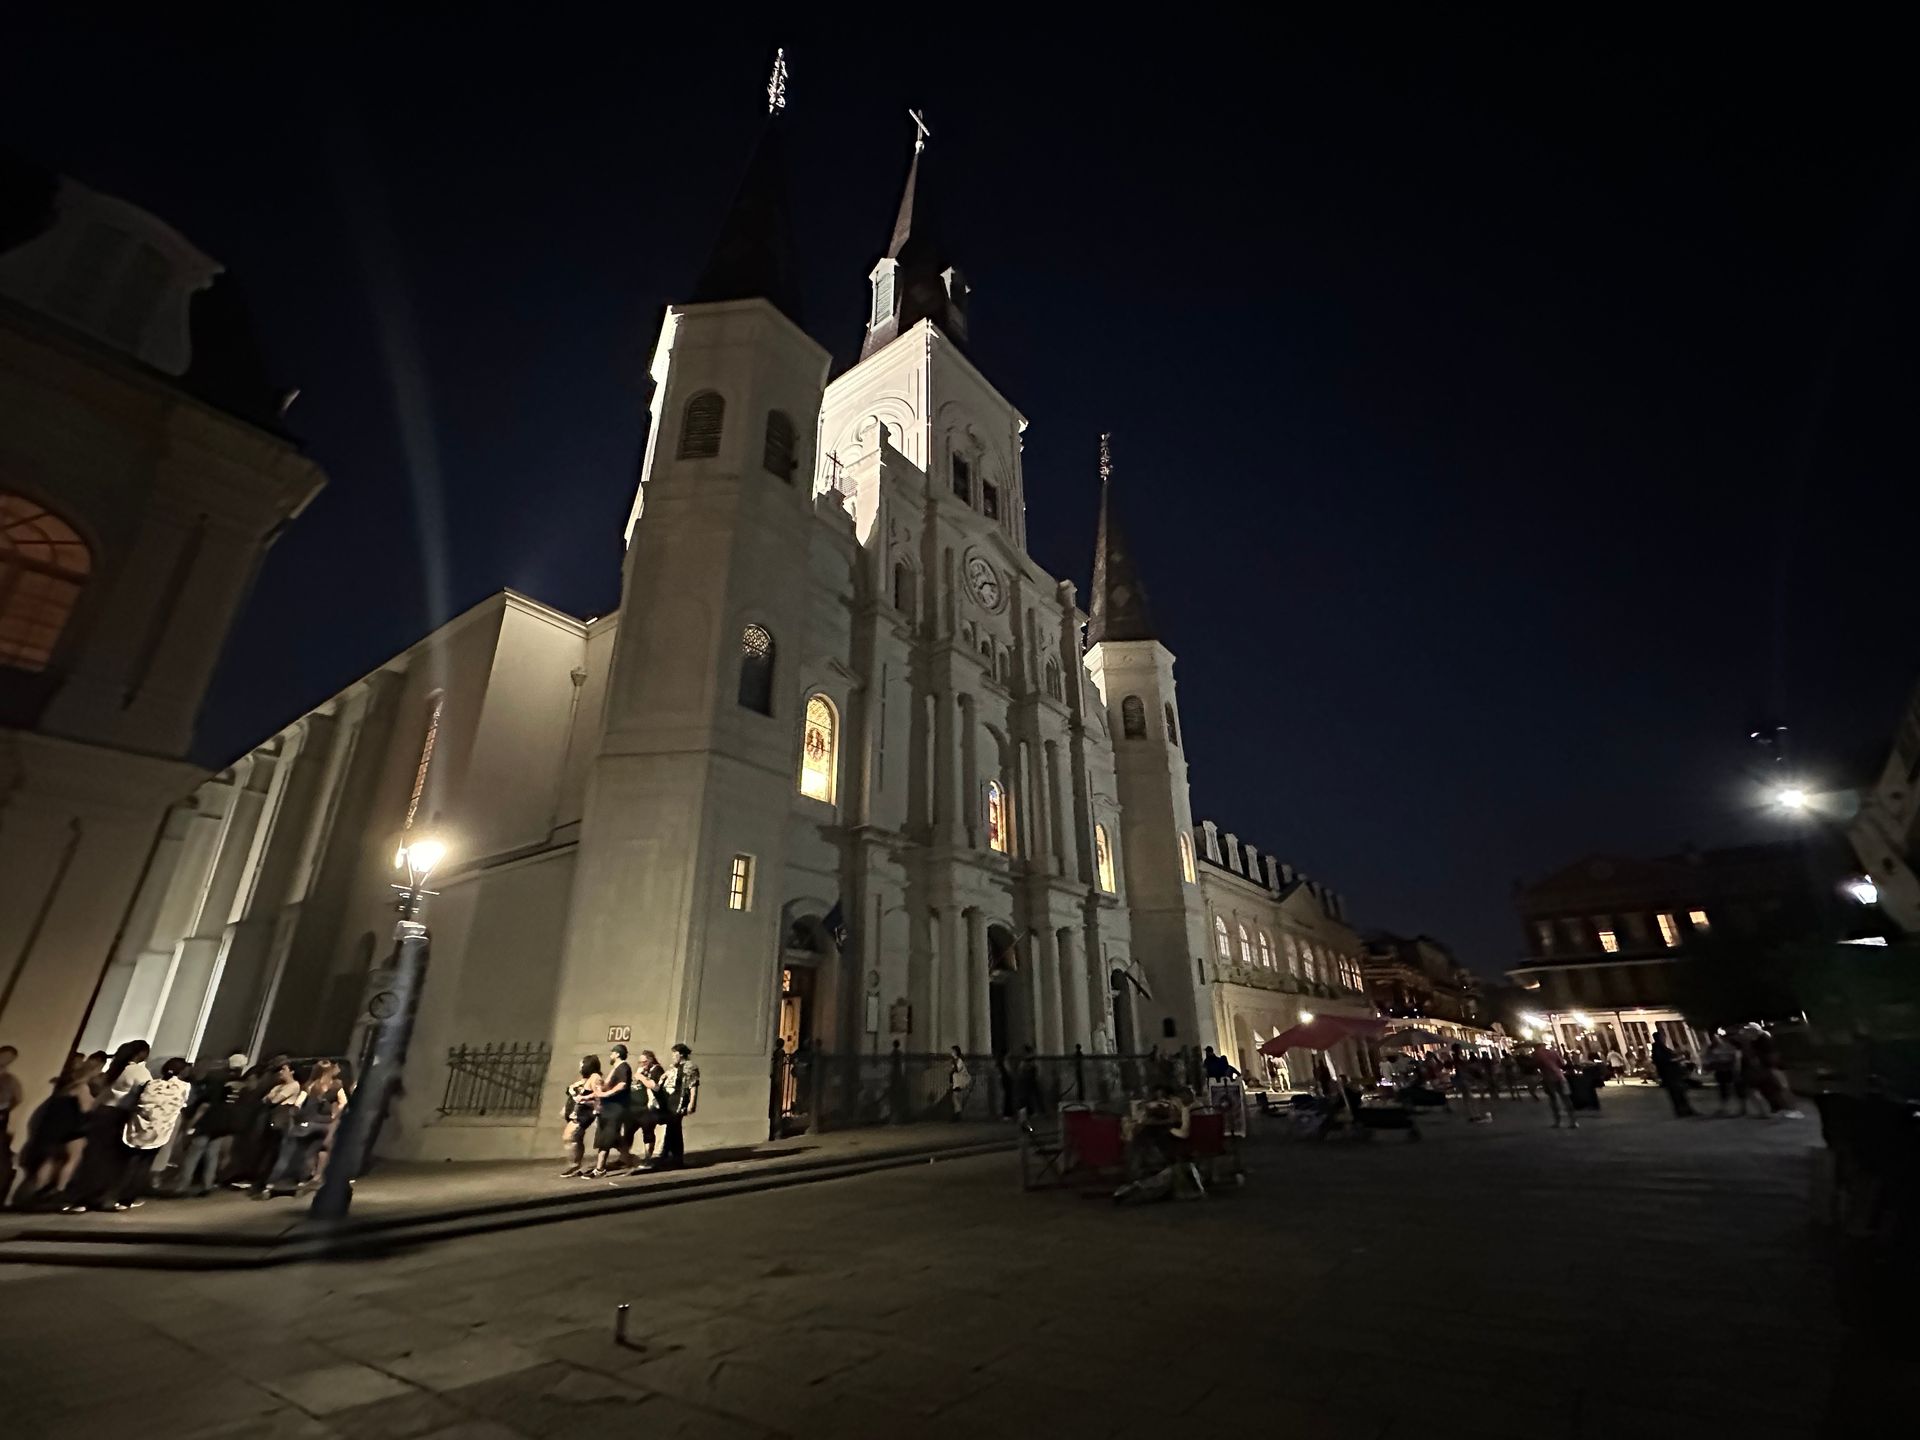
[(990, 499), (963, 478)]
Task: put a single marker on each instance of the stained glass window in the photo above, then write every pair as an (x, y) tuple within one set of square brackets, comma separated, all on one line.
[(996, 817), (44, 564), (700, 427), (1186, 857), (819, 749), (1103, 859), (756, 669)]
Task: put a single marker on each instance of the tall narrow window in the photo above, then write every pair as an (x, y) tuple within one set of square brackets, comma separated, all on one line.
[(425, 767), (996, 817), (819, 749), (1698, 919), (778, 455), (1223, 947), (1186, 857), (990, 499), (756, 669), (44, 564), (1053, 679), (740, 883), (1266, 952), (1133, 718), (1292, 947), (1609, 942), (700, 426), (1669, 929), (1103, 859), (963, 478), (1308, 967), (1173, 730), (882, 296), (903, 588), (1246, 945)]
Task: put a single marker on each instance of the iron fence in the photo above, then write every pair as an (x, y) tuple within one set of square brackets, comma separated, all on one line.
[(813, 1090), (504, 1079)]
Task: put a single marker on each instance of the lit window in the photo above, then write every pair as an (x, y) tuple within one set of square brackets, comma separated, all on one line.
[(700, 427), (1103, 858), (1246, 945), (1220, 941), (740, 883), (1307, 964), (420, 771), (1669, 929), (43, 566), (1133, 718), (819, 749), (1609, 942), (1292, 947), (756, 669), (1173, 730), (963, 478), (778, 455), (1698, 919), (1186, 857), (996, 817), (1266, 951)]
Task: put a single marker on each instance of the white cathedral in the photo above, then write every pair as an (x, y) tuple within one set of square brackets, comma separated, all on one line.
[(847, 767)]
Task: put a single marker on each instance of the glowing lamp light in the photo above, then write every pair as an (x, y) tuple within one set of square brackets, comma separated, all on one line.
[(1306, 1017), (420, 858), (1583, 1020), (1863, 891), (1534, 1021), (1791, 797)]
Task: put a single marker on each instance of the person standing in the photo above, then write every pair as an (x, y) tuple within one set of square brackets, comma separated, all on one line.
[(106, 1155), (578, 1114), (156, 1112), (1031, 1101), (615, 1096), (681, 1085), (309, 1123), (1672, 1076), (958, 1081), (1553, 1080), (1463, 1085), (1723, 1062), (212, 1117), (650, 1102)]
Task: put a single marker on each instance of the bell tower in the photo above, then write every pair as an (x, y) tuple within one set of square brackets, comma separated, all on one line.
[(1134, 673), (671, 935)]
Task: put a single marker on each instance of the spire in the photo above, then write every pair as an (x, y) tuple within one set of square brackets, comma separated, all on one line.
[(913, 281), (753, 256), (1119, 603)]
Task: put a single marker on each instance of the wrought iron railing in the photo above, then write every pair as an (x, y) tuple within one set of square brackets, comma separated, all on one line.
[(504, 1079), (812, 1090)]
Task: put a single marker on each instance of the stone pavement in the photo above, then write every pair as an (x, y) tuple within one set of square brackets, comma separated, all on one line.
[(404, 1191), (1640, 1277)]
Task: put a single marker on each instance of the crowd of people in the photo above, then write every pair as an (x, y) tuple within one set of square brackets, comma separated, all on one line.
[(98, 1138), (613, 1107)]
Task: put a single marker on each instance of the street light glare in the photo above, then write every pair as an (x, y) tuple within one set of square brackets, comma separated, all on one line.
[(1863, 890), (424, 855), (1790, 797), (1306, 1017)]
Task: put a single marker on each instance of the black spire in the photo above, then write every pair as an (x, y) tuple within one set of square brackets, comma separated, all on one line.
[(753, 258), (1119, 602), (914, 281)]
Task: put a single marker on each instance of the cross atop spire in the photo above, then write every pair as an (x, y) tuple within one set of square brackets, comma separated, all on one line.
[(920, 124), (1119, 603), (914, 280), (777, 83)]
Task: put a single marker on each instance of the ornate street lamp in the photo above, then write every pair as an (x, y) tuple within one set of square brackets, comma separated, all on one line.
[(382, 1030)]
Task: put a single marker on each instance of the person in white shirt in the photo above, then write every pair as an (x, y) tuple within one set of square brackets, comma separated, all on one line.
[(155, 1112)]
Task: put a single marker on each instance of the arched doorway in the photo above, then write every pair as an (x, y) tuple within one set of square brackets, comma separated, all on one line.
[(1122, 997), (1005, 1012)]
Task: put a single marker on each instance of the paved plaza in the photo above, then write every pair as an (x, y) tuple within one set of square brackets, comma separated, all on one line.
[(1639, 1277)]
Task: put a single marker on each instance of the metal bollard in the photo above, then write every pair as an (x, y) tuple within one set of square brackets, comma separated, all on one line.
[(620, 1313)]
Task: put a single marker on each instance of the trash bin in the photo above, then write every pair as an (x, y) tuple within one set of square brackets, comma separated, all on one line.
[(1584, 1094)]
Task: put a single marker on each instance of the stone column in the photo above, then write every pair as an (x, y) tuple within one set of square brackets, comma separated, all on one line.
[(1048, 956), (953, 955), (979, 983), (946, 805), (1073, 986), (970, 805)]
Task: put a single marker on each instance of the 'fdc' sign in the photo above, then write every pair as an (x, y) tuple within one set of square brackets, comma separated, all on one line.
[(619, 1034)]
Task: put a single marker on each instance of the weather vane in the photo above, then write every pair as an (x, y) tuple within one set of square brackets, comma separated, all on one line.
[(777, 83), (1106, 456), (919, 125)]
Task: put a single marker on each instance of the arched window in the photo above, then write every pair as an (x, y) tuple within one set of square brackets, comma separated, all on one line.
[(44, 565), (1133, 718), (1103, 859), (1266, 952), (1173, 730), (1186, 857), (1054, 691), (1293, 954), (1246, 945), (700, 426), (1223, 947), (996, 817), (756, 669), (1307, 965), (1006, 667), (819, 749), (778, 456), (903, 588)]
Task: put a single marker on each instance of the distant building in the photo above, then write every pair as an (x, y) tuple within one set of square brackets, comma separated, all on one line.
[(1417, 978), (1885, 830), (143, 474), (1605, 936)]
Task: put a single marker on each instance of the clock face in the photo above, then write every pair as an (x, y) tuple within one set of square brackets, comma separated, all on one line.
[(984, 583)]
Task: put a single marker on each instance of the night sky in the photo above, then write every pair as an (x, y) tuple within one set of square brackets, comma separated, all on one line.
[(1508, 418)]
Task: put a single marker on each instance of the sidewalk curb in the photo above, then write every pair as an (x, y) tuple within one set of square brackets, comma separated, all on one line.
[(155, 1249)]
